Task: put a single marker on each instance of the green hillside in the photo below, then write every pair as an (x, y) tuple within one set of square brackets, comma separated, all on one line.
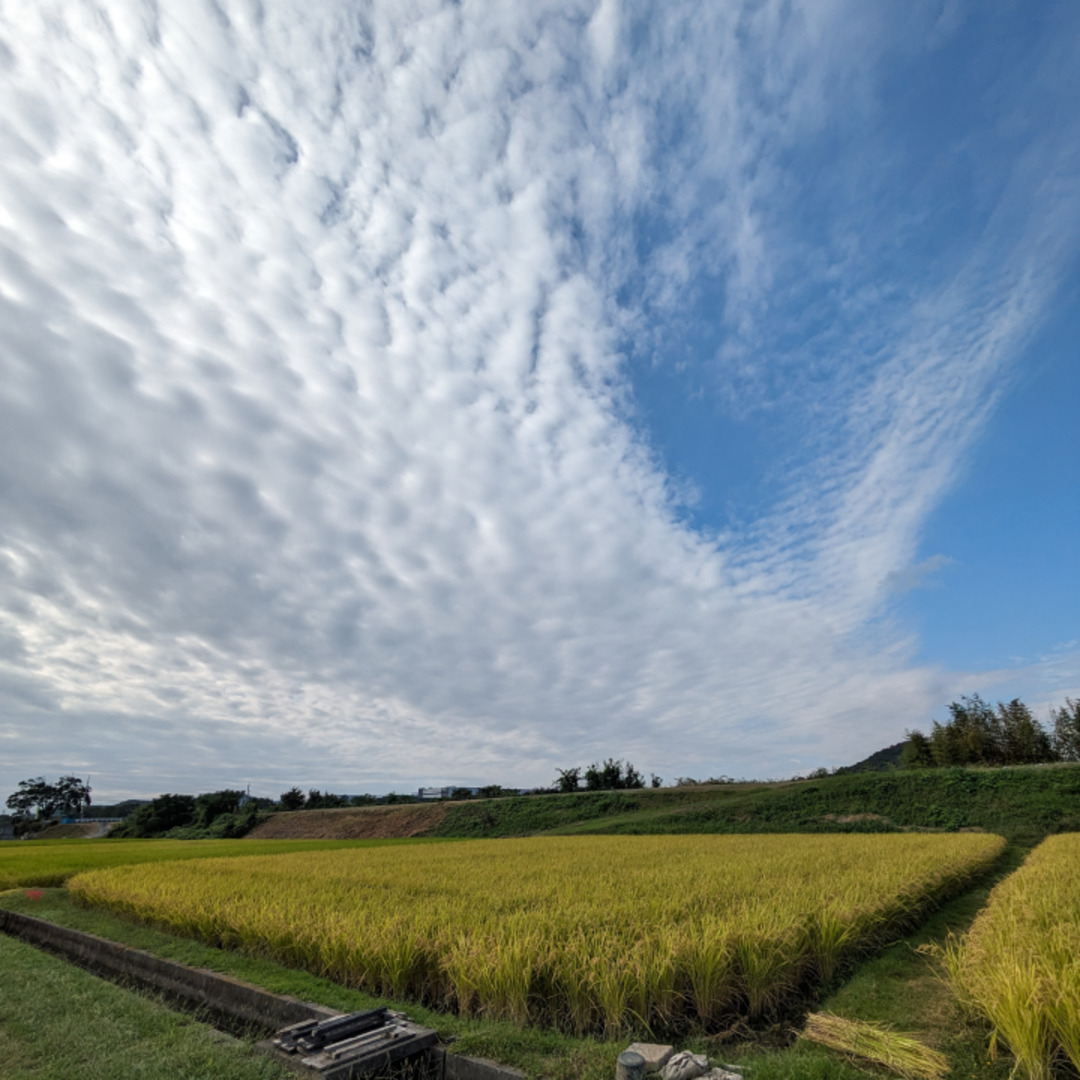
[(1022, 803)]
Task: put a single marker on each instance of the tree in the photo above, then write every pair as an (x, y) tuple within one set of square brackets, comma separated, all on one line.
[(71, 794), (159, 815), (212, 805), (1024, 740), (293, 799), (1066, 734), (655, 781), (978, 734), (35, 798), (568, 781), (916, 753), (612, 776)]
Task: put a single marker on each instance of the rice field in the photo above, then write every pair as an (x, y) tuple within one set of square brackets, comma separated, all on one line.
[(1019, 965), (47, 863), (587, 934)]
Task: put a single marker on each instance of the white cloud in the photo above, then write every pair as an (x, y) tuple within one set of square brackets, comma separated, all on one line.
[(314, 446)]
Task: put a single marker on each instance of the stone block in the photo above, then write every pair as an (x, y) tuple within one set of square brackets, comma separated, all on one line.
[(655, 1055)]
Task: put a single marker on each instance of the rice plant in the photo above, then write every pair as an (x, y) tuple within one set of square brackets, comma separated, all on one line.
[(583, 933), (1019, 964)]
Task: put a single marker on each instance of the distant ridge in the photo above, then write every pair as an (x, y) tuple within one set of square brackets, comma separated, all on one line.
[(880, 761)]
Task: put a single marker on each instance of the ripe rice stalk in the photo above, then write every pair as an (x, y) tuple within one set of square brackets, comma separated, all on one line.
[(900, 1053), (1018, 964), (586, 933)]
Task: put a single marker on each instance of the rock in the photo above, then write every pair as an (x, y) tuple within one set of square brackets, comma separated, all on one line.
[(655, 1055), (685, 1065)]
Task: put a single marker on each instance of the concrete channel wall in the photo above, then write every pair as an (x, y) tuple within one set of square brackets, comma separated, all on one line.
[(237, 1000)]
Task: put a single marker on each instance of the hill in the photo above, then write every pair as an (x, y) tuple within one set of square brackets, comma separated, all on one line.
[(1022, 803), (881, 761)]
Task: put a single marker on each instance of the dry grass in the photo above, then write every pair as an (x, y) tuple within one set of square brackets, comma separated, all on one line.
[(900, 1053)]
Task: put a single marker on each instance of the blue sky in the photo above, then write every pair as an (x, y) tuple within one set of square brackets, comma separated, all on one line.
[(396, 394)]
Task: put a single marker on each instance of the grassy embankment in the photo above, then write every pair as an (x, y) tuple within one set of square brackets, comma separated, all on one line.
[(1024, 804)]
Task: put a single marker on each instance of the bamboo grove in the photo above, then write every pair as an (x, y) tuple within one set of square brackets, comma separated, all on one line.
[(1019, 965), (588, 934)]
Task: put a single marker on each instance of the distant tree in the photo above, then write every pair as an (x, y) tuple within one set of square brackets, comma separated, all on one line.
[(35, 798), (158, 816), (293, 799), (655, 781), (612, 775), (212, 805), (1066, 733), (916, 753), (569, 779), (1024, 740), (316, 800), (977, 734), (363, 800), (71, 794), (971, 737)]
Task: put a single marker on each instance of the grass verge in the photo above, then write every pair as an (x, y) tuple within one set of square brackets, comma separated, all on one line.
[(58, 1022)]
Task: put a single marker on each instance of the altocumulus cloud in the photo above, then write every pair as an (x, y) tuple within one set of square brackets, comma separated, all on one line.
[(318, 452)]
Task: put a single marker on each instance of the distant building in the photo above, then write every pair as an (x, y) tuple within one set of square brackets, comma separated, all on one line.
[(435, 792), (7, 828)]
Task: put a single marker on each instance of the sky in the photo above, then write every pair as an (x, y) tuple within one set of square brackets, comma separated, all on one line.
[(413, 393)]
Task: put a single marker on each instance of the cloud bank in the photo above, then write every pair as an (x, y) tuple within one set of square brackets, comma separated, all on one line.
[(319, 455)]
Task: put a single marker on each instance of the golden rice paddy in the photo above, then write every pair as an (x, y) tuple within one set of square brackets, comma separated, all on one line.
[(1019, 965), (584, 933)]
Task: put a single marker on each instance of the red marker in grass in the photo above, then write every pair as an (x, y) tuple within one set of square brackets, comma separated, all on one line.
[(34, 894)]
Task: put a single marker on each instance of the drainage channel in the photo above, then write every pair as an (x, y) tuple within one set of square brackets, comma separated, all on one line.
[(238, 1006)]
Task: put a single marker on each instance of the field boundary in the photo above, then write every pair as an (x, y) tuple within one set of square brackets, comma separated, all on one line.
[(197, 986), (223, 995)]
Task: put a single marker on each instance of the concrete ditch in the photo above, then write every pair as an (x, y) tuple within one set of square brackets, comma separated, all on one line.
[(219, 995)]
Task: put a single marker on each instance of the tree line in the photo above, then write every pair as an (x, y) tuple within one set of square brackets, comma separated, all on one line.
[(1006, 734), (40, 799), (612, 775)]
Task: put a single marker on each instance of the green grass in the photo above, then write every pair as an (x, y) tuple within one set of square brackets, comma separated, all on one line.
[(1024, 804), (59, 1022), (44, 863)]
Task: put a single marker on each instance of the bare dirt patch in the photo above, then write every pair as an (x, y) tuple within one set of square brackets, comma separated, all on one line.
[(358, 823), (82, 830)]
